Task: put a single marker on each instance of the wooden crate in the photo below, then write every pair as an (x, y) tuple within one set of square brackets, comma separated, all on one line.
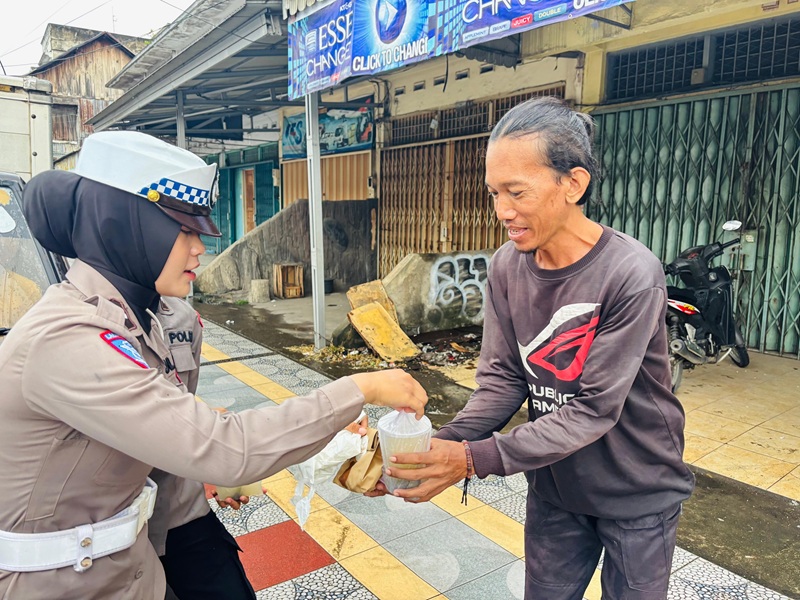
[(287, 280), (292, 291)]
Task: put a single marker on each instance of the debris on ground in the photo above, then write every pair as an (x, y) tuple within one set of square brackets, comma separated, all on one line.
[(360, 358), (453, 353), (453, 348)]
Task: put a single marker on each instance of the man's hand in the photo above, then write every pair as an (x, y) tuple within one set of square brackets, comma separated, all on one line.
[(444, 465), (380, 490)]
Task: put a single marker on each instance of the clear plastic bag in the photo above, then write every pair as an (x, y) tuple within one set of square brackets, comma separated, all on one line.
[(321, 468), (400, 432)]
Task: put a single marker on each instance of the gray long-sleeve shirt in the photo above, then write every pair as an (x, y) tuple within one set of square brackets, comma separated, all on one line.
[(586, 346)]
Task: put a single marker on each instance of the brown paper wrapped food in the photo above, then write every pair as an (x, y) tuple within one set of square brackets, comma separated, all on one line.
[(362, 474)]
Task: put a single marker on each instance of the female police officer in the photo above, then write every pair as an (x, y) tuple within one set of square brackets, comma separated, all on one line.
[(91, 401)]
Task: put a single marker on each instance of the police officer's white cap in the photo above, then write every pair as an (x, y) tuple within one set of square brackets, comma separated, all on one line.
[(179, 182)]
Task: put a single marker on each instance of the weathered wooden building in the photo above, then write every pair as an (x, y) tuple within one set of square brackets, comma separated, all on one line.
[(79, 62)]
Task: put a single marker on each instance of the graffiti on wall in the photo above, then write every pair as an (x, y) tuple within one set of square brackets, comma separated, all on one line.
[(457, 292)]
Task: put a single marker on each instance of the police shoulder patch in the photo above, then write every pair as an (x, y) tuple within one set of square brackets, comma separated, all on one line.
[(124, 347)]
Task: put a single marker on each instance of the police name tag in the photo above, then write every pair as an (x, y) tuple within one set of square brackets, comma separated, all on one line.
[(124, 347)]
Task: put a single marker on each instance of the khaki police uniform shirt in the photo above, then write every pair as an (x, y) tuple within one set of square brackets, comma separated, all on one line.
[(83, 425), (179, 500)]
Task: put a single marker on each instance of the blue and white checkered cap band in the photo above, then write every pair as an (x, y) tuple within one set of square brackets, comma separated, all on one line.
[(180, 191)]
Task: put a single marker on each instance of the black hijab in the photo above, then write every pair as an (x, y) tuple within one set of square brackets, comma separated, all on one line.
[(124, 237)]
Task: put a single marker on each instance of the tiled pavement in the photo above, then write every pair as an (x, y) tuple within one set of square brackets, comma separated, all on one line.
[(357, 548)]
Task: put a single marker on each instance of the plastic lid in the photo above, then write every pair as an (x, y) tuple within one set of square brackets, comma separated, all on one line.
[(403, 424)]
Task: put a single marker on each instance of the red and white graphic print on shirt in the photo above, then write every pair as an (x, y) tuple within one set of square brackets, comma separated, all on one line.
[(563, 353)]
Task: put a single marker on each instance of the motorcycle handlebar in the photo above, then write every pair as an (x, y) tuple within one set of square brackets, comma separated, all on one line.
[(730, 243)]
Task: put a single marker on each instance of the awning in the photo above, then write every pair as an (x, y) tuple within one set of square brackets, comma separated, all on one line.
[(223, 60)]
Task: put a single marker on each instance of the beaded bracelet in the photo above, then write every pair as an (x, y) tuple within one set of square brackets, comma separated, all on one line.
[(470, 471)]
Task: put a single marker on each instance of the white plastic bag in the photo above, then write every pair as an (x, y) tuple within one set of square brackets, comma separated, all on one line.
[(400, 432), (321, 468)]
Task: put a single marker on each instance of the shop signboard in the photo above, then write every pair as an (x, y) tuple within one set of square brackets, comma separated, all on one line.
[(339, 131)]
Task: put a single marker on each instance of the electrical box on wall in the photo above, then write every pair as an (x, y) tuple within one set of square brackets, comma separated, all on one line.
[(748, 250), (698, 76)]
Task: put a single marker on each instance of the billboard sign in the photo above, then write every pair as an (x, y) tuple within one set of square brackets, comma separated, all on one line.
[(362, 37), (461, 24), (355, 37)]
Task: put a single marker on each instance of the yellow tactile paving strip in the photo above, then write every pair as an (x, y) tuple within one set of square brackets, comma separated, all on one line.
[(274, 391)]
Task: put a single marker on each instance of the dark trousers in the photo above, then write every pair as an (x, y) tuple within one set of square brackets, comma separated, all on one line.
[(202, 561), (562, 550)]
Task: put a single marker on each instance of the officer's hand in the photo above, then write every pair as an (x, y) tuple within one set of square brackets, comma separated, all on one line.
[(359, 427), (393, 388), (234, 504)]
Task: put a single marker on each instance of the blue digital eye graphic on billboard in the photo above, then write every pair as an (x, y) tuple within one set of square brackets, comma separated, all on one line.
[(390, 16)]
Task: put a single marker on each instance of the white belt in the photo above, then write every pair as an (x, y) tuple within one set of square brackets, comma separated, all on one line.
[(81, 545)]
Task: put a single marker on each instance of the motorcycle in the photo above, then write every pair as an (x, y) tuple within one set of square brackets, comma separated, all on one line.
[(700, 313)]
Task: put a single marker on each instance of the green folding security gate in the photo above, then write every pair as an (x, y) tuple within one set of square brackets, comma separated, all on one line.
[(673, 171)]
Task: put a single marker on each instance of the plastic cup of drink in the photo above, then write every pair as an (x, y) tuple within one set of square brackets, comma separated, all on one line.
[(400, 433)]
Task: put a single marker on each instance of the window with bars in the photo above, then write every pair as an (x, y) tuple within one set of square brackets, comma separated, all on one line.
[(503, 105), (767, 49), (654, 70), (464, 120), (414, 128), (468, 119)]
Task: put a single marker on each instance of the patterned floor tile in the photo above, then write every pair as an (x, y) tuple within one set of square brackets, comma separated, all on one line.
[(505, 583), (301, 380), (388, 518), (517, 482), (257, 514), (280, 553), (449, 554), (681, 558), (490, 489), (375, 413), (512, 506), (702, 580), (230, 343), (328, 583)]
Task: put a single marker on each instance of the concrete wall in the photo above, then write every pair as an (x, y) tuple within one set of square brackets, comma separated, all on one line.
[(349, 245), (434, 292)]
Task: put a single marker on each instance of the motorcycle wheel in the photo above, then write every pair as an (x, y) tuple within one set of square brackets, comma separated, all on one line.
[(739, 354), (676, 371)]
